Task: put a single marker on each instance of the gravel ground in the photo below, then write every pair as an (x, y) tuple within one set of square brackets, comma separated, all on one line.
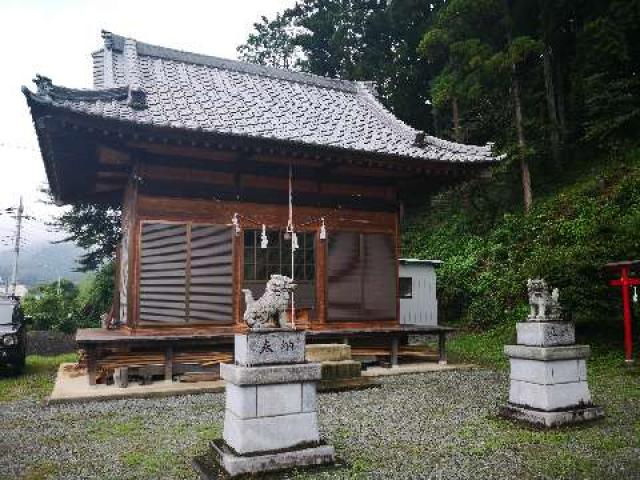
[(439, 426)]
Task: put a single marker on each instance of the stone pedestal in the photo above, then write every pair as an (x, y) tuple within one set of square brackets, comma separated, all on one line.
[(270, 419), (549, 376)]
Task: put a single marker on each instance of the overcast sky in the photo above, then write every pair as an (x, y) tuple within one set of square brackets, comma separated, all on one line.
[(56, 37)]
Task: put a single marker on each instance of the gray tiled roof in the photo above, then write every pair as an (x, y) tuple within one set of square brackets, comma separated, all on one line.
[(151, 85)]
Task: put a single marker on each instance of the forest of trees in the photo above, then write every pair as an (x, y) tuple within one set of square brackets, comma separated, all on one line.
[(543, 79), (553, 83)]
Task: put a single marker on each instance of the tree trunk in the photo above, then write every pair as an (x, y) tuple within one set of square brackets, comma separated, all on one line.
[(560, 103), (456, 119), (551, 104), (436, 123), (524, 164), (517, 106)]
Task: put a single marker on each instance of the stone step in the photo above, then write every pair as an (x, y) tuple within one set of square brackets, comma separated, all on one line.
[(341, 369), (328, 352)]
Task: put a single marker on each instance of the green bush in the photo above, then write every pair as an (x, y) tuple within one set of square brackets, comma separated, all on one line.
[(52, 306), (64, 306), (490, 249)]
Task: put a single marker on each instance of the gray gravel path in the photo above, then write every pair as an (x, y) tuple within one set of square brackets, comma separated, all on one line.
[(439, 426)]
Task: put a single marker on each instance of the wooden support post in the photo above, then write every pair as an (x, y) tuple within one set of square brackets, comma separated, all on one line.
[(92, 363), (395, 346), (345, 340), (321, 279), (168, 364), (442, 348)]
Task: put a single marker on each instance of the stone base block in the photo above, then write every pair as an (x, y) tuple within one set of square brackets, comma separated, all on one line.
[(566, 352), (328, 352), (250, 401), (269, 346), (221, 457), (550, 372), (545, 334), (346, 384), (269, 374), (263, 434), (560, 396), (551, 419), (341, 369)]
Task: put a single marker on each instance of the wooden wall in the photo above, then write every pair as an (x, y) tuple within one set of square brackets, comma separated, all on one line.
[(163, 209)]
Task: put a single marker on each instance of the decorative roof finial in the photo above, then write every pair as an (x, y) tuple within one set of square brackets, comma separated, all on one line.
[(44, 84), (108, 39)]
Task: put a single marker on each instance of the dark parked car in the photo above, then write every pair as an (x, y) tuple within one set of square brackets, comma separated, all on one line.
[(13, 334)]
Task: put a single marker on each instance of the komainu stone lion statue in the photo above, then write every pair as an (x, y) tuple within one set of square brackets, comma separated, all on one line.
[(545, 306), (269, 311)]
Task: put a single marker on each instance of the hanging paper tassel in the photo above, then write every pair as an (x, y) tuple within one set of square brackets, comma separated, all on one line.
[(323, 230), (635, 294), (294, 241), (264, 241), (236, 224)]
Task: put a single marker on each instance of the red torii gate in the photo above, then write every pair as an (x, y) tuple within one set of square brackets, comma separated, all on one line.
[(624, 282)]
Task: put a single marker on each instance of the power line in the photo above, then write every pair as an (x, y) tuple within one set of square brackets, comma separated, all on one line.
[(17, 146)]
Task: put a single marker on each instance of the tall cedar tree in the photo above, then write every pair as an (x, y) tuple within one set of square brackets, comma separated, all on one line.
[(576, 73)]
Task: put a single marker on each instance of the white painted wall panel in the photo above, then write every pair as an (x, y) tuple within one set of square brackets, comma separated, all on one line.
[(422, 307)]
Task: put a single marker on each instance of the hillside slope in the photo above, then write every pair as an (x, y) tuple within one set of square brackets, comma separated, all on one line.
[(583, 217), (42, 263)]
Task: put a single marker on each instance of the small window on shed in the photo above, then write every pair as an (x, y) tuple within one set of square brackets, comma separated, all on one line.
[(405, 289)]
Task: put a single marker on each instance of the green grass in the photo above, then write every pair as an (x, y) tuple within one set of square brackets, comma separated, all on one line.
[(563, 453), (483, 348), (36, 381)]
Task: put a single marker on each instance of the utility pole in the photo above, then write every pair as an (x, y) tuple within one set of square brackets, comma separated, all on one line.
[(14, 275)]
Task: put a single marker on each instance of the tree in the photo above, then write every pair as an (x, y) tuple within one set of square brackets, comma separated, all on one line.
[(95, 296), (95, 228), (272, 43), (608, 60), (473, 41), (52, 306)]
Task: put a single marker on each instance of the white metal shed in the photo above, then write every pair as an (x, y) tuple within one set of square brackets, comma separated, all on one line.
[(417, 292)]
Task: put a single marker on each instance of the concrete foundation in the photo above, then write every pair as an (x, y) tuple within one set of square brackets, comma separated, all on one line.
[(222, 457), (551, 419)]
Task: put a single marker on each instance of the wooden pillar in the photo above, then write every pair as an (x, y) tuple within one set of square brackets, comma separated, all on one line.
[(238, 274), (92, 363), (442, 348), (321, 280), (168, 364), (395, 347)]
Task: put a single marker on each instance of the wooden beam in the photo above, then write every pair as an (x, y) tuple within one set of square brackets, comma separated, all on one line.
[(263, 195), (112, 156)]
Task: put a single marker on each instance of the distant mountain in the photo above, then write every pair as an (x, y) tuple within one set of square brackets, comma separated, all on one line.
[(43, 263)]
